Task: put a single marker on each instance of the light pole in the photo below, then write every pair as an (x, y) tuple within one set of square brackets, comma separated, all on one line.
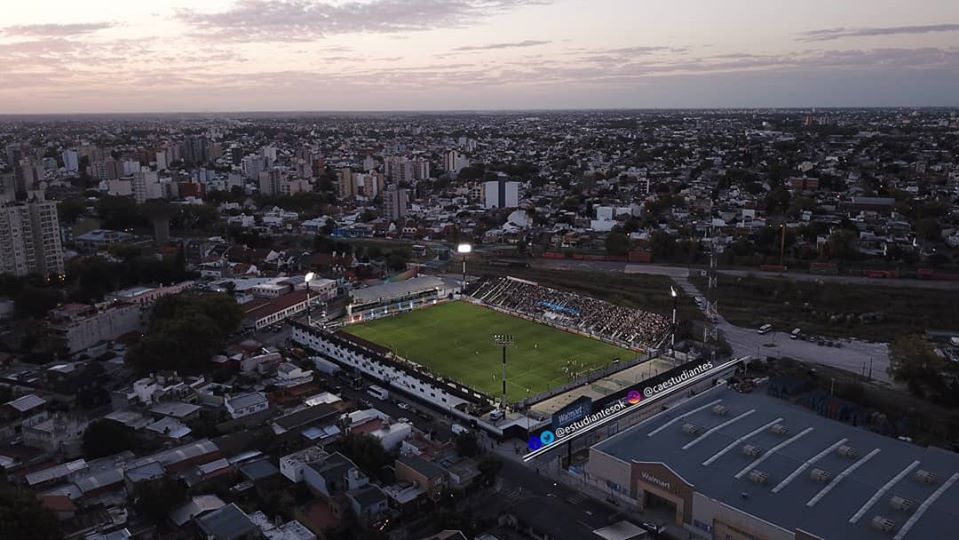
[(464, 249), (672, 292), (308, 278), (782, 244), (503, 340)]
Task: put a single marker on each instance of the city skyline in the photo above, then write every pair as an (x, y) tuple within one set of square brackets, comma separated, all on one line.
[(393, 55)]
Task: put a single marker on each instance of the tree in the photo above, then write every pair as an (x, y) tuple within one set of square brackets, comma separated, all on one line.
[(397, 259), (69, 211), (35, 301), (466, 444), (662, 245), (367, 452), (119, 213), (840, 245), (155, 499), (928, 229), (489, 466), (913, 361), (106, 437), (617, 244), (23, 517), (186, 331)]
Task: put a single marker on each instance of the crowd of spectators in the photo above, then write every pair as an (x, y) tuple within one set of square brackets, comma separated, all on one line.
[(632, 327)]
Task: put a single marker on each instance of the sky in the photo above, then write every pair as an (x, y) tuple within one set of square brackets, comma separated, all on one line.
[(102, 56)]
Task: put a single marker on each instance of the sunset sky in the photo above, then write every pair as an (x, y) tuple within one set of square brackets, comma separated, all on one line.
[(260, 55)]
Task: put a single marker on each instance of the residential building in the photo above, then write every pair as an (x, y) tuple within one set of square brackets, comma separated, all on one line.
[(368, 503), (336, 474), (501, 194), (146, 186), (81, 326), (227, 523), (270, 182), (395, 202), (30, 238), (291, 465), (428, 476), (263, 312), (346, 185), (454, 162), (59, 433), (71, 160), (246, 404), (25, 411)]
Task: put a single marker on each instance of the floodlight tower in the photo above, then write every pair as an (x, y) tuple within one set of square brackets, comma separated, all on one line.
[(464, 249), (308, 278), (672, 292), (503, 340)]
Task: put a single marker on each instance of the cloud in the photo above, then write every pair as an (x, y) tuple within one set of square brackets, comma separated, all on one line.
[(828, 34), (53, 30), (492, 46), (304, 20)]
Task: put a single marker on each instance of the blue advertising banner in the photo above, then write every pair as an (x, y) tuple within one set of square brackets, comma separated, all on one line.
[(575, 411)]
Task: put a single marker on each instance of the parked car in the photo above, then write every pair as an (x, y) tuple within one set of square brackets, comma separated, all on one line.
[(653, 527)]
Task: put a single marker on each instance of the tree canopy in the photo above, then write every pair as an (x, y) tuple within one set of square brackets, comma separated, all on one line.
[(23, 517), (186, 331), (617, 243), (106, 437), (913, 361)]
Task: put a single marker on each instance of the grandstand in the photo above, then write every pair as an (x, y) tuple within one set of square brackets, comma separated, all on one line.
[(396, 297), (627, 327)]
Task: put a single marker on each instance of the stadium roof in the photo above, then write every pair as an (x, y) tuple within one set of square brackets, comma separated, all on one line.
[(842, 506), (398, 289)]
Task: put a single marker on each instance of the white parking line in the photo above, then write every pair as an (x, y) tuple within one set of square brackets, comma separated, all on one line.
[(697, 440), (895, 479), (681, 417), (835, 481), (806, 465), (772, 451), (732, 445), (925, 506)]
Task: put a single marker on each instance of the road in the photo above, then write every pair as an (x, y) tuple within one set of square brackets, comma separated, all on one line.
[(668, 270), (864, 358)]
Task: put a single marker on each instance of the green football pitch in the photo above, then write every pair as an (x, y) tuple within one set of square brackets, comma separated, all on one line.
[(455, 340)]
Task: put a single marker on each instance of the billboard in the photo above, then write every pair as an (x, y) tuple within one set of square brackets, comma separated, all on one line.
[(610, 407), (577, 410)]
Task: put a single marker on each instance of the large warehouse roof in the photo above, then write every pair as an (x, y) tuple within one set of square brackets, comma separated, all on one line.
[(842, 504), (395, 290)]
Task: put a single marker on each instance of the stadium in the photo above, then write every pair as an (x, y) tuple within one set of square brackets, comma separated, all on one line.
[(421, 338)]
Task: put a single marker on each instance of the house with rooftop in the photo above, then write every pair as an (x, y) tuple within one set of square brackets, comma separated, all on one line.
[(368, 503), (246, 404), (227, 523), (291, 465), (25, 411), (335, 474), (428, 476), (61, 432)]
